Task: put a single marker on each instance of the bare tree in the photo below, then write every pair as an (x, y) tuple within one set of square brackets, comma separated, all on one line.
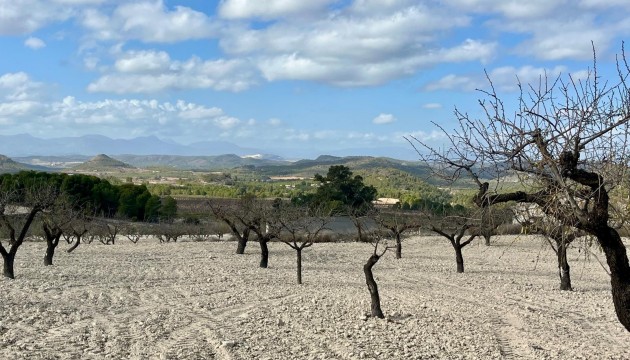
[(375, 297), (398, 222), (134, 232), (54, 223), (76, 229), (18, 209), (105, 231), (568, 139), (236, 214), (300, 229), (266, 225), (491, 218), (169, 232), (455, 229)]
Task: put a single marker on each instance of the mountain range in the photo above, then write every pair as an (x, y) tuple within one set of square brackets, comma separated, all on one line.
[(25, 145)]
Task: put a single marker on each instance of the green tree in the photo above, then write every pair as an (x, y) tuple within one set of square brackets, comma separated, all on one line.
[(168, 210), (340, 191)]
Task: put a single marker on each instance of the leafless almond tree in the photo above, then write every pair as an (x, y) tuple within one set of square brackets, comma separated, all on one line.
[(17, 212), (397, 222), (300, 229), (375, 297), (567, 138)]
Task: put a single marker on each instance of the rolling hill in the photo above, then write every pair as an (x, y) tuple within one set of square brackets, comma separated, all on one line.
[(102, 162), (8, 165)]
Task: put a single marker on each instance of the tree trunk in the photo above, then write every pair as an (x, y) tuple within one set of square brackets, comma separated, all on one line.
[(617, 260), (563, 267), (74, 246), (240, 249), (398, 247), (50, 252), (372, 287), (359, 233), (299, 266), (264, 254), (9, 259), (459, 258)]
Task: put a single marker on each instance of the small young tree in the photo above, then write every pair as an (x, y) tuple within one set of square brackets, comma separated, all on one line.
[(77, 229), (454, 228), (397, 222), (300, 229), (169, 232), (54, 223), (558, 236), (375, 297), (134, 231), (106, 231), (266, 226)]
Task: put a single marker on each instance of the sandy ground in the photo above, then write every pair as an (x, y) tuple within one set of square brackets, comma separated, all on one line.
[(200, 301)]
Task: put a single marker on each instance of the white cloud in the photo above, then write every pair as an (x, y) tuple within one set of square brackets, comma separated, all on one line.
[(149, 21), (26, 16), (151, 71), (115, 117), (275, 122), (504, 78), (513, 9), (34, 43), (143, 62), (432, 106), (348, 49), (377, 6), (19, 87), (341, 72), (270, 9), (451, 82), (384, 119)]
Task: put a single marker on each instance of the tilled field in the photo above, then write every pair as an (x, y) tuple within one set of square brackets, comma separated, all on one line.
[(201, 301)]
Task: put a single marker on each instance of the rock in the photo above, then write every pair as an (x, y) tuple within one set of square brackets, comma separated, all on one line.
[(229, 344)]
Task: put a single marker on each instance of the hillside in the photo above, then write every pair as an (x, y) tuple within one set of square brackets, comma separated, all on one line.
[(8, 165), (102, 162), (218, 162)]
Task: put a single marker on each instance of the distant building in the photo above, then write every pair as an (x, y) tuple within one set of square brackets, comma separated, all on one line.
[(386, 202)]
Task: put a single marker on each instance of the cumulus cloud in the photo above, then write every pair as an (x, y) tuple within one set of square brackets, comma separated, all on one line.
[(143, 61), (24, 17), (270, 9), (148, 21), (19, 86), (513, 9), (384, 119), (153, 71), (349, 49), (115, 117), (504, 78), (34, 43)]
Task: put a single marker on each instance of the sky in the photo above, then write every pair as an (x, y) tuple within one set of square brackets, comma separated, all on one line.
[(285, 76)]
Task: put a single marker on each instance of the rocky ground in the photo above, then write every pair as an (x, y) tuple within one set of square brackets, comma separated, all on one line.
[(198, 300)]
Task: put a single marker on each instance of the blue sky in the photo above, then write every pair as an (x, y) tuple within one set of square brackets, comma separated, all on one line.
[(284, 75)]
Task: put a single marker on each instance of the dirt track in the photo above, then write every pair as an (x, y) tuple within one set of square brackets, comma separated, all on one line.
[(200, 301)]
